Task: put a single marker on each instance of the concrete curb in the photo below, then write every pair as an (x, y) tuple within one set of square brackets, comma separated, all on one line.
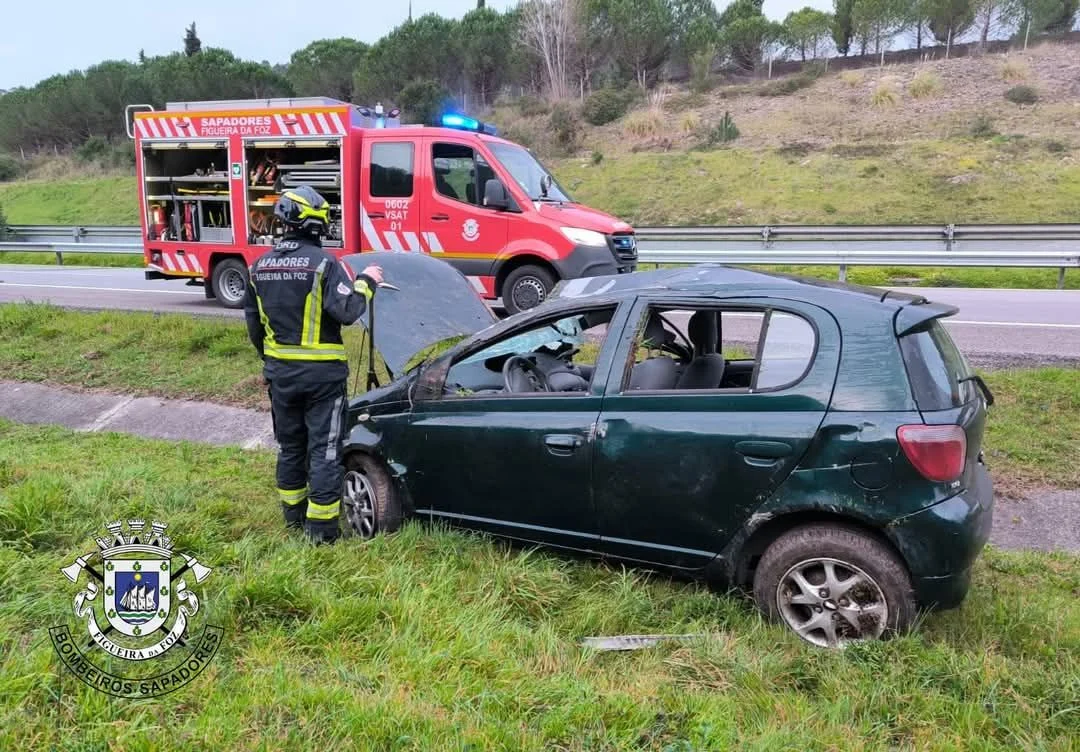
[(150, 417)]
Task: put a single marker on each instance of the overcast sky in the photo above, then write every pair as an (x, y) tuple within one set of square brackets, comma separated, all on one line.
[(58, 36)]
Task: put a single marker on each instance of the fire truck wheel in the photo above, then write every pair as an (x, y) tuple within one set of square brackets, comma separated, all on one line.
[(526, 287), (230, 280), (370, 503)]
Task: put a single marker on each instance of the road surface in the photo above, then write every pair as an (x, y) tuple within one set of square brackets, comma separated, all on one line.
[(994, 327)]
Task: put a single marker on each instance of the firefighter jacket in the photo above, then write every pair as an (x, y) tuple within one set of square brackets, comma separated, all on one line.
[(297, 300)]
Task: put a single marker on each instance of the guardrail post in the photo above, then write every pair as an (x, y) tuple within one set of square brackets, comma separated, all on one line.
[(1061, 278), (843, 273), (950, 231)]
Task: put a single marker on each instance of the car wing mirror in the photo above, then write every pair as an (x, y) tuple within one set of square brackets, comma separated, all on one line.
[(496, 196)]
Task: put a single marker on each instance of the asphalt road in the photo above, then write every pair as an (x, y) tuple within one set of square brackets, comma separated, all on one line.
[(993, 327)]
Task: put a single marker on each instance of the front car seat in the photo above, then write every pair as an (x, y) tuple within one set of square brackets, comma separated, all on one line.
[(706, 370), (660, 372)]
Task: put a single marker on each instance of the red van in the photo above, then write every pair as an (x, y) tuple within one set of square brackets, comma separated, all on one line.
[(210, 172)]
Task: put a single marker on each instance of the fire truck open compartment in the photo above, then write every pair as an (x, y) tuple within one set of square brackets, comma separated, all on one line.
[(276, 165), (187, 192)]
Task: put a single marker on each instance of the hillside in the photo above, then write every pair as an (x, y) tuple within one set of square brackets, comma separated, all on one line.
[(930, 142)]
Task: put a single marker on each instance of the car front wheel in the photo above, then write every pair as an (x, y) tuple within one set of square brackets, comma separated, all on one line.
[(370, 501), (526, 287), (833, 584)]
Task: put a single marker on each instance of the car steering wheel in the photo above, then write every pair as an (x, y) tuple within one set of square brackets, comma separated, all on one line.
[(523, 375)]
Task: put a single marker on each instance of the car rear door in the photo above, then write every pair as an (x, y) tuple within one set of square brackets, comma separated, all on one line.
[(677, 472), (390, 212)]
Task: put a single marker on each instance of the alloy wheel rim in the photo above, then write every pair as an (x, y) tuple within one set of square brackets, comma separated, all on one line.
[(529, 292), (359, 500), (233, 284), (831, 603)]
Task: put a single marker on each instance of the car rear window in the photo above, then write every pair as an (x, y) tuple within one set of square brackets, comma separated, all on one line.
[(936, 368)]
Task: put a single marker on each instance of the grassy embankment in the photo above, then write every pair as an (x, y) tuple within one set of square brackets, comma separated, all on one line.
[(1033, 431), (430, 639)]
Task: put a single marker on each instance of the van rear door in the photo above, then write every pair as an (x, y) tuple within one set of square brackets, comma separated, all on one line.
[(390, 208)]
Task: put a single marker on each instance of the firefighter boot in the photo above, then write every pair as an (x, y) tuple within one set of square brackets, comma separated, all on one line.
[(293, 507), (322, 531)]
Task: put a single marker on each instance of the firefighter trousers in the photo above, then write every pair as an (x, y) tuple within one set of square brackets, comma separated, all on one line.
[(308, 419)]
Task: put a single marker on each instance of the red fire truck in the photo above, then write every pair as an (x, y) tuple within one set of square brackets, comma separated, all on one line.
[(210, 172)]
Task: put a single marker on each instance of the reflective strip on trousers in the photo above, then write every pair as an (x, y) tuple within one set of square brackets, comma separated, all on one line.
[(292, 497), (323, 511), (335, 426)]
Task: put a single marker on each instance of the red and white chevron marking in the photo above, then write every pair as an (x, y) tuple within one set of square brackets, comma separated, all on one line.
[(181, 263), (310, 124), (276, 124)]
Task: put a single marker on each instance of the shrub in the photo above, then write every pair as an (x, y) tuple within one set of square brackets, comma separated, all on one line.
[(1021, 95), (982, 127), (643, 123), (530, 106), (1056, 147), (1014, 70), (92, 150), (851, 78), (700, 69), (884, 95), (924, 85), (605, 105), (723, 132), (563, 123), (9, 167), (690, 122), (3, 224), (597, 157), (422, 100), (784, 86)]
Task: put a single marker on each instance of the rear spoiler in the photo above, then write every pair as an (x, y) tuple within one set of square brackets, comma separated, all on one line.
[(914, 315)]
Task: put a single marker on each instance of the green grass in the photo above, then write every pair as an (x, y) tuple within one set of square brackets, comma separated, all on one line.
[(1033, 430), (75, 259), (92, 201), (435, 640)]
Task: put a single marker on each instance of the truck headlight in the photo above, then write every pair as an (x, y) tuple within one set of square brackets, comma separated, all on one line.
[(581, 236)]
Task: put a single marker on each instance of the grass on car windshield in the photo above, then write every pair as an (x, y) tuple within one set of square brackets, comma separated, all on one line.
[(431, 639)]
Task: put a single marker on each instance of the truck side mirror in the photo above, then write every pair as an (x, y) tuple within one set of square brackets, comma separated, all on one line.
[(495, 195)]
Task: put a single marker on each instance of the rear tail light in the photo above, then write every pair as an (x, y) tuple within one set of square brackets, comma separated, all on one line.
[(937, 452)]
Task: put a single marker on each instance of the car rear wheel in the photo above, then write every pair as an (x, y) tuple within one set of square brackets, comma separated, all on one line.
[(229, 281), (526, 287), (833, 584), (370, 501)]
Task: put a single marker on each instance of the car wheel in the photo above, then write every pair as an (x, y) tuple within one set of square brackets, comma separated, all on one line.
[(526, 287), (833, 584), (370, 500), (229, 281)]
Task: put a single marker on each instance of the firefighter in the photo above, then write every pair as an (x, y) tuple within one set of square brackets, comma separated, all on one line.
[(298, 298)]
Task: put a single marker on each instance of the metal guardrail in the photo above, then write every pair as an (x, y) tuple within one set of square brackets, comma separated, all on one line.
[(1048, 246)]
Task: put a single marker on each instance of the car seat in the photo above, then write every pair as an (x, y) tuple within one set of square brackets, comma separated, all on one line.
[(661, 371), (706, 370)]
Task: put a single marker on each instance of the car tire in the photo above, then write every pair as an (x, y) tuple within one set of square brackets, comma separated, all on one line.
[(229, 281), (370, 503), (870, 595), (526, 287)]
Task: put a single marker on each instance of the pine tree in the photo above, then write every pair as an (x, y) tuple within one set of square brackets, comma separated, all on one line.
[(192, 43)]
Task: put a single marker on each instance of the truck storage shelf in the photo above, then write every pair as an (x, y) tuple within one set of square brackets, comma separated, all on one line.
[(222, 199), (189, 179), (321, 166)]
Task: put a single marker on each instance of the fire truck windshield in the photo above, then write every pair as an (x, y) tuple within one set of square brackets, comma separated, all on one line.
[(529, 173)]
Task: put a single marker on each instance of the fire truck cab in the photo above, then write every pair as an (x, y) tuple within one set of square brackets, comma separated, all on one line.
[(210, 172)]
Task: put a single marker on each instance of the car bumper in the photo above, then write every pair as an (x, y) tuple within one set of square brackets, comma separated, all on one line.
[(940, 543), (592, 261)]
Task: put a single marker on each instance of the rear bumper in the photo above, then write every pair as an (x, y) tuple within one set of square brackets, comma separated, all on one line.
[(940, 543)]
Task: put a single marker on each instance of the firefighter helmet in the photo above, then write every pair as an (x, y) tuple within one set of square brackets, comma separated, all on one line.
[(303, 209)]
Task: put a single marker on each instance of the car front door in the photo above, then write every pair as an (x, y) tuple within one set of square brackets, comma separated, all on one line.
[(678, 468), (456, 225), (514, 464)]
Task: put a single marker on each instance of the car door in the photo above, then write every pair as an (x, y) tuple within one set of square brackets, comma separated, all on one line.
[(518, 465), (390, 216), (456, 225), (677, 471)]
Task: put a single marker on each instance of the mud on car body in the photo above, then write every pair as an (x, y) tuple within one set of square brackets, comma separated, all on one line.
[(816, 444)]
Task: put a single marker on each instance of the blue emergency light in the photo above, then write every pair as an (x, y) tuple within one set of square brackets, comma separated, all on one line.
[(463, 123)]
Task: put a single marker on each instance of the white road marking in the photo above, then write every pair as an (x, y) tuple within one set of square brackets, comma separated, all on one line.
[(100, 289)]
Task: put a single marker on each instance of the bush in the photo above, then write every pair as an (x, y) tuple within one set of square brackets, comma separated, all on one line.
[(884, 95), (9, 167), (784, 86), (723, 132), (92, 150), (643, 124), (1014, 70), (1021, 95), (3, 224), (530, 106), (851, 78), (924, 85), (1056, 147), (982, 127), (597, 157), (563, 123), (605, 105), (690, 122), (700, 70)]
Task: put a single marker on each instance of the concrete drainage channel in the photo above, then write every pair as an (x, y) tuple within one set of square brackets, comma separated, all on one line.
[(1048, 521)]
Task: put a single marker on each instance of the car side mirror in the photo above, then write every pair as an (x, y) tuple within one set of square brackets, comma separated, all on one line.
[(496, 196)]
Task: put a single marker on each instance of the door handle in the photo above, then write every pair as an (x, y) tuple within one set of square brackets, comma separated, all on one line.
[(772, 450), (562, 445), (376, 215), (440, 217)]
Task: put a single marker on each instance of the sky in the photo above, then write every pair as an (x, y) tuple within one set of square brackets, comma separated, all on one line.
[(74, 34)]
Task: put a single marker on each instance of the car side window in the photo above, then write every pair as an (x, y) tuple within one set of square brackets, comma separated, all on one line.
[(391, 170), (460, 172), (553, 356), (718, 349)]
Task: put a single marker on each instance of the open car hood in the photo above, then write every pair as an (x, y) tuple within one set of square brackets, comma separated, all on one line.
[(435, 303)]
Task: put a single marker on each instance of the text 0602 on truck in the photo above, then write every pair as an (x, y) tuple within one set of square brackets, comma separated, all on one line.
[(210, 172)]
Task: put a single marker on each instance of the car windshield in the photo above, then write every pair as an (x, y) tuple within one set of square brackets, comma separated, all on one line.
[(529, 173), (566, 331)]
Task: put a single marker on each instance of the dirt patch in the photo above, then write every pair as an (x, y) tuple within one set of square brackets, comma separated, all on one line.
[(1045, 521)]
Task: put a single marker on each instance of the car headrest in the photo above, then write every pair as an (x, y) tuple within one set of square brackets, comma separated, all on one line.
[(704, 331), (655, 333)]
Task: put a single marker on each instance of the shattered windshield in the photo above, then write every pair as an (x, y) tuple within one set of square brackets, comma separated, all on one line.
[(566, 331), (529, 173)]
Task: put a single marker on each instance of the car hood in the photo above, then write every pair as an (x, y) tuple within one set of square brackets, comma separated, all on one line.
[(576, 215), (434, 303)]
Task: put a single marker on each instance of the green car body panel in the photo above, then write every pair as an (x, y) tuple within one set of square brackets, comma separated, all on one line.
[(701, 481)]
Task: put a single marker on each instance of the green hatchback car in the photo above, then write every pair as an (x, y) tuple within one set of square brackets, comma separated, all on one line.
[(814, 443)]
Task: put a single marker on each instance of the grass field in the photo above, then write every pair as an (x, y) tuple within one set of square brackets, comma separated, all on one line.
[(434, 640), (1033, 430)]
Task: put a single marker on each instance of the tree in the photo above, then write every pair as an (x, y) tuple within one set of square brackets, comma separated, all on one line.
[(878, 21), (642, 34), (806, 31), (696, 27), (423, 101), (548, 28), (485, 41), (745, 31), (424, 49), (987, 18), (192, 43), (948, 19), (842, 26), (1031, 16), (1065, 19), (325, 68)]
